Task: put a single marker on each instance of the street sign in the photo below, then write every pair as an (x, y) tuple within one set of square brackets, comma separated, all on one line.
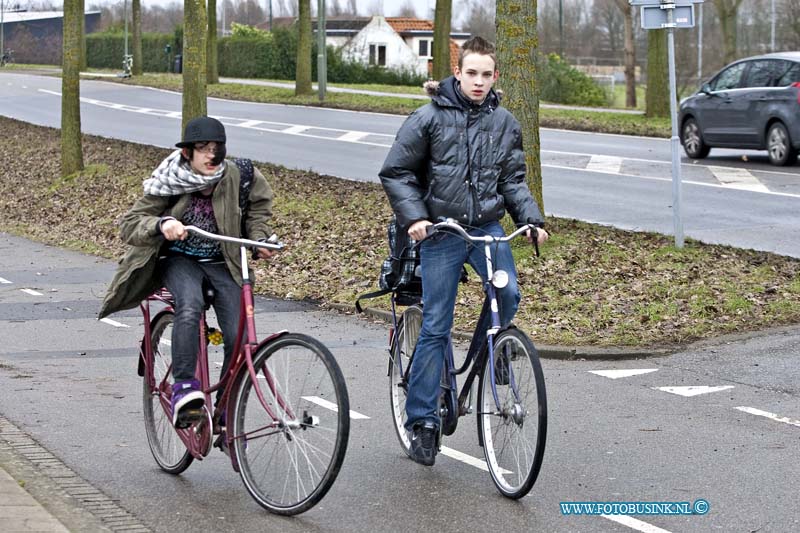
[(654, 17)]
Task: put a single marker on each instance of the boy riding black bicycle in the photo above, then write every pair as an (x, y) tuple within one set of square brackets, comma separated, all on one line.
[(459, 157)]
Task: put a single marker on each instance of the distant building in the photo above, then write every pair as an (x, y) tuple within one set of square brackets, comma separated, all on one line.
[(36, 36), (397, 43)]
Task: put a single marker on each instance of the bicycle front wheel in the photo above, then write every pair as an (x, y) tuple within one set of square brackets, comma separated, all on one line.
[(401, 351), (167, 448), (513, 433), (291, 425)]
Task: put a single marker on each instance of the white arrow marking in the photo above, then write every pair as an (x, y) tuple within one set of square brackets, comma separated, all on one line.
[(771, 416), (634, 523), (693, 391), (333, 407), (32, 292), (114, 323), (623, 372)]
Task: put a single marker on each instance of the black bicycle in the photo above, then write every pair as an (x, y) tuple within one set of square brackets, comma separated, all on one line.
[(512, 401), (6, 57)]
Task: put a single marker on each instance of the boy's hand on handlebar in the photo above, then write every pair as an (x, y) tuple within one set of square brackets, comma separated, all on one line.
[(264, 253), (541, 236), (417, 230), (173, 230)]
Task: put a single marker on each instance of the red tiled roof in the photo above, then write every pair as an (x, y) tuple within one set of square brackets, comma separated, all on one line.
[(454, 48), (404, 24)]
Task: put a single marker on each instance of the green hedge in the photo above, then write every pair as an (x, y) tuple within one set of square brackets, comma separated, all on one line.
[(560, 83), (105, 50)]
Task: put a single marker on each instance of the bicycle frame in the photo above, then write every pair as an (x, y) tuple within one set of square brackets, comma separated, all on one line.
[(245, 346)]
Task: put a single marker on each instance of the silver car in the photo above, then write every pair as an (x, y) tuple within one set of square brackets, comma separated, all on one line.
[(753, 103)]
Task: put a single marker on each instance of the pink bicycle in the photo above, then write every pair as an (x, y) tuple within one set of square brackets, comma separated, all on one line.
[(285, 404)]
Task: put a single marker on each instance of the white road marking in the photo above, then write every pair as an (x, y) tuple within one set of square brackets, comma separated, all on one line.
[(737, 178), (634, 523), (353, 136), (771, 416), (4, 281), (468, 459), (32, 292), (249, 123), (295, 129), (693, 391), (114, 323), (605, 163), (623, 372), (333, 407)]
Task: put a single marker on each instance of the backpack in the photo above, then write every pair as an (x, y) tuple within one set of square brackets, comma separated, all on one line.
[(246, 174), (400, 272)]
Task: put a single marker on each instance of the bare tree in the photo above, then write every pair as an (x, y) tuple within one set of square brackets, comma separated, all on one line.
[(516, 57), (441, 39), (375, 8), (71, 146), (630, 53), (212, 69), (480, 18), (136, 18), (407, 10), (194, 59), (728, 10), (302, 84), (657, 99)]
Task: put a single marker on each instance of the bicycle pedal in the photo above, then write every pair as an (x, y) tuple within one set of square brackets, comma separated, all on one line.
[(188, 417)]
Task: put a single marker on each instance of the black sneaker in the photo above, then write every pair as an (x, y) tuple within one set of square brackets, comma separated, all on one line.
[(423, 443)]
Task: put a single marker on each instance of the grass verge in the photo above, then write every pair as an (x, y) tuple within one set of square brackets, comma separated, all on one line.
[(594, 285)]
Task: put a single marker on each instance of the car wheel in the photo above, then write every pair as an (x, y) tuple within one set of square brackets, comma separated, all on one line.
[(692, 139), (779, 146)]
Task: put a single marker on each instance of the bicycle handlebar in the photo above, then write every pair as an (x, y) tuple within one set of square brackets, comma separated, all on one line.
[(243, 242), (451, 224)]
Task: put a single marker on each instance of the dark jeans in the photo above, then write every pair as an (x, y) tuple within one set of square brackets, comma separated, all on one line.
[(441, 259), (183, 277)]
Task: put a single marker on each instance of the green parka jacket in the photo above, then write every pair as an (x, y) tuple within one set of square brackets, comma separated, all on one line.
[(136, 276)]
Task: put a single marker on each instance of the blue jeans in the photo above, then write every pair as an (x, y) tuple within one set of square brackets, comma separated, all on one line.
[(441, 258), (183, 277)]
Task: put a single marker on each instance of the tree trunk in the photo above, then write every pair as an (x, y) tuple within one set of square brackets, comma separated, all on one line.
[(71, 148), (194, 59), (211, 54), (441, 39), (303, 70), (727, 10), (83, 61), (630, 54), (136, 10), (517, 44), (657, 100)]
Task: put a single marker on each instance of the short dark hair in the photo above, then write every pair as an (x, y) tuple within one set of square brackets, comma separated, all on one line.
[(476, 45)]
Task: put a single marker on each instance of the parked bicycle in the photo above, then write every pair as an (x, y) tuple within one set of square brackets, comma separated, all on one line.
[(283, 417), (512, 401), (6, 57)]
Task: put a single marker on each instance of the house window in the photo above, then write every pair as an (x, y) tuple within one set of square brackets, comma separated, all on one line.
[(423, 48), (377, 54)]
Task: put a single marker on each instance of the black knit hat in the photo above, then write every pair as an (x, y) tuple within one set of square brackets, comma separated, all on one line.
[(202, 129)]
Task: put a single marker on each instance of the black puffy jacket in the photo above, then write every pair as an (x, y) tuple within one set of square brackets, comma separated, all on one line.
[(455, 159)]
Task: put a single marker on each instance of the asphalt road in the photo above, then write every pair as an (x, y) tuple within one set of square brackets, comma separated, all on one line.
[(70, 381), (608, 179)]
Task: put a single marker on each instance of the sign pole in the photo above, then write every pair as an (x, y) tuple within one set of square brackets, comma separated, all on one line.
[(674, 141)]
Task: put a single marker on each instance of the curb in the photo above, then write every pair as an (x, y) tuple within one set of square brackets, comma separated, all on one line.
[(563, 353)]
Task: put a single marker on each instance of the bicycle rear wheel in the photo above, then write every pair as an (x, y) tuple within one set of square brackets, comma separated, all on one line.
[(405, 340), (514, 436), (166, 446), (290, 458)]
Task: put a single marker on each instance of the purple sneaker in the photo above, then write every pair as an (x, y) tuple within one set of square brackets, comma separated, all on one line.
[(187, 403)]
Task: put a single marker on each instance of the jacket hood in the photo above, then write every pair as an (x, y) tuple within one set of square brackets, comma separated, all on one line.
[(445, 93)]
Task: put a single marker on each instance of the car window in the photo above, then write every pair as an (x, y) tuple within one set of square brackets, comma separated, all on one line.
[(729, 78), (790, 73), (763, 73)]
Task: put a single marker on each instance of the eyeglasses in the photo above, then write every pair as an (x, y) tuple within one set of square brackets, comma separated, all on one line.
[(206, 148)]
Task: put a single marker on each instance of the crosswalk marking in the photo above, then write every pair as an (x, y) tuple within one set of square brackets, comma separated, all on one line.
[(737, 178), (767, 414), (32, 292), (605, 163), (352, 136), (622, 372), (295, 129), (693, 391)]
